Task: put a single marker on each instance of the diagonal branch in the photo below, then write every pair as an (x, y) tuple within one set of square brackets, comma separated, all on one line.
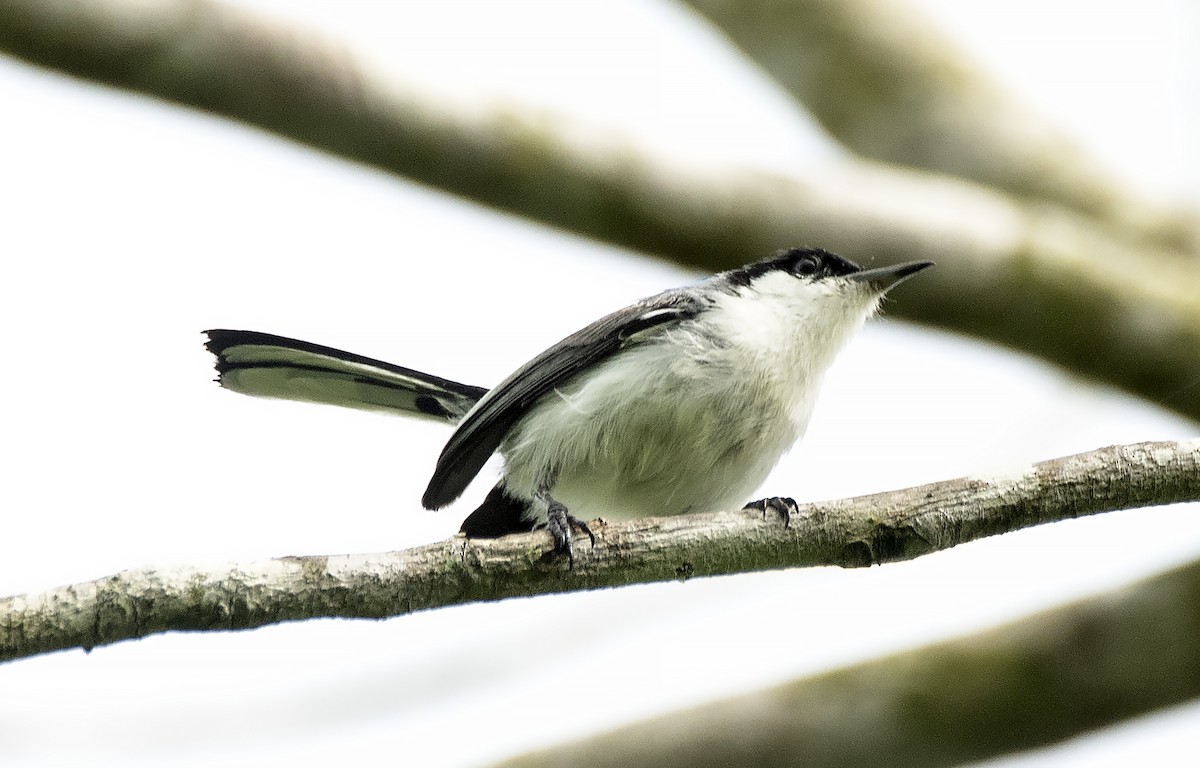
[(862, 531), (883, 81), (1034, 276), (1033, 682)]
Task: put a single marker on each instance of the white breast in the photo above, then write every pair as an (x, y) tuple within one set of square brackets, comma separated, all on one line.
[(693, 420)]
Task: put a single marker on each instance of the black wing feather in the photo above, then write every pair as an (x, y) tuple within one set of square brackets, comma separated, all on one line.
[(481, 432)]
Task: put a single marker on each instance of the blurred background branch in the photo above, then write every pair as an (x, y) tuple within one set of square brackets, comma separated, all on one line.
[(1037, 276), (882, 80), (1036, 681)]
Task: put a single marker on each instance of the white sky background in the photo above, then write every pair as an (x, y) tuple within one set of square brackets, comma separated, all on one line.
[(130, 226)]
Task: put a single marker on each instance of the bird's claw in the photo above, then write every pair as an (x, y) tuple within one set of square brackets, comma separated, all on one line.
[(560, 523), (783, 506)]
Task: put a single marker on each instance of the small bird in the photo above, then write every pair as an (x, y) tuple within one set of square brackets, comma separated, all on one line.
[(682, 402)]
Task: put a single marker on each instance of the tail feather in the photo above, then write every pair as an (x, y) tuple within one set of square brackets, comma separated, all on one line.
[(266, 365)]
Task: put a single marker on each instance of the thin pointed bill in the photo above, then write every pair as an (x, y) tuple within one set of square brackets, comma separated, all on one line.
[(883, 279)]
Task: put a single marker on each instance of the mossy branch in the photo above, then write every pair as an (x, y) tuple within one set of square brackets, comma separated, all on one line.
[(862, 531)]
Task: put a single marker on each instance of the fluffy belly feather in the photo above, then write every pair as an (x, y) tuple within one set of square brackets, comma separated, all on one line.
[(686, 442)]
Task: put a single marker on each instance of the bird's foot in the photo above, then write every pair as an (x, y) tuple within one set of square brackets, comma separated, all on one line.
[(783, 506), (561, 523)]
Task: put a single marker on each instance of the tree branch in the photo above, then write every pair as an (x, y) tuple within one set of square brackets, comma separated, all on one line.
[(1034, 682), (856, 532), (1032, 276), (883, 81)]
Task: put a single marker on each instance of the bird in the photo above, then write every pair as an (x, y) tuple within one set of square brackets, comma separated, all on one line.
[(682, 402)]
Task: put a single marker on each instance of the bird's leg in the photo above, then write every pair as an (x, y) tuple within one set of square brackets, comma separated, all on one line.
[(782, 505), (560, 523)]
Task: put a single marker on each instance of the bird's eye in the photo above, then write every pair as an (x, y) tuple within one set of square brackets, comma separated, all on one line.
[(808, 265)]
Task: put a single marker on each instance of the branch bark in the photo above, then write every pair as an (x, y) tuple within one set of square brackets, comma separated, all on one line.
[(1033, 276), (1037, 681), (883, 81), (856, 532)]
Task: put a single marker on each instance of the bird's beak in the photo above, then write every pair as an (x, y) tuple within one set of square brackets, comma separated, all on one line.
[(883, 279)]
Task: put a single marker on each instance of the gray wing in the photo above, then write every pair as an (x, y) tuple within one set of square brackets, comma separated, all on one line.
[(481, 432)]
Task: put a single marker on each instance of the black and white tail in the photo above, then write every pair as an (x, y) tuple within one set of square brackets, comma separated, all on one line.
[(266, 365)]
